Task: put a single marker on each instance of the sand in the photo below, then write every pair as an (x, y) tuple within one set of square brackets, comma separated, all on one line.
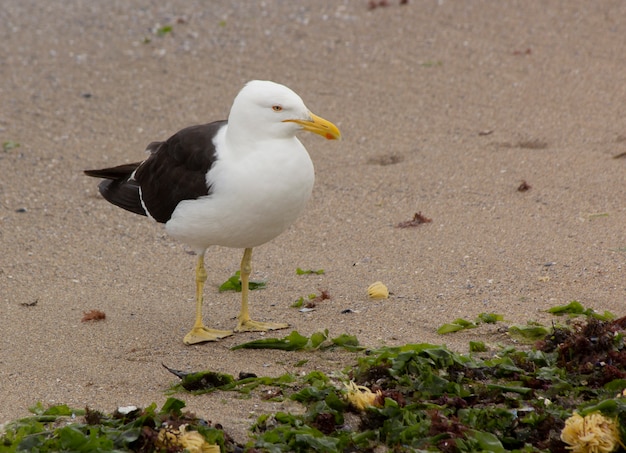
[(445, 107)]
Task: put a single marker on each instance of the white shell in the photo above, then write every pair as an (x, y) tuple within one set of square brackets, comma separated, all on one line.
[(125, 410)]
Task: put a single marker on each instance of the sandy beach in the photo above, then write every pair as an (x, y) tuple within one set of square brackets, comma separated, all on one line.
[(446, 108)]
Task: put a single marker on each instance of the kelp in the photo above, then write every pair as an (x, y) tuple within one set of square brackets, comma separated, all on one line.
[(560, 395)]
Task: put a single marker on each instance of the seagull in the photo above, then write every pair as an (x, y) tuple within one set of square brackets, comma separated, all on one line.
[(234, 183)]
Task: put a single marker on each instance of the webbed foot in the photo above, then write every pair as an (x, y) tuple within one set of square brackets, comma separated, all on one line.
[(203, 334), (257, 326)]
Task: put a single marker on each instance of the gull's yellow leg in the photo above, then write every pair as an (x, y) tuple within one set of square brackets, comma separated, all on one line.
[(245, 323), (199, 333)]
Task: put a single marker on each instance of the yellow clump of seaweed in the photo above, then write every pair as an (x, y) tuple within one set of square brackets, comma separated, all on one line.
[(361, 397), (593, 433), (192, 441)]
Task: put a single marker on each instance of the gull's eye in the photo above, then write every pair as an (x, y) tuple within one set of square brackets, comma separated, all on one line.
[(277, 108)]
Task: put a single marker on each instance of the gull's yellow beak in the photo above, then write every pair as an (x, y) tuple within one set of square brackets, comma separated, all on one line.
[(320, 126)]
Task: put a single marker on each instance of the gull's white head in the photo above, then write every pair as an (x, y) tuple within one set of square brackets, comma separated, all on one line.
[(268, 110)]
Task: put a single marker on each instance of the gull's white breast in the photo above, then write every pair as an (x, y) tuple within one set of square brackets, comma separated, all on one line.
[(255, 196)]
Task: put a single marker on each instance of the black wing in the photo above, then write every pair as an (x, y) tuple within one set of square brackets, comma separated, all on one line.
[(118, 188), (176, 169)]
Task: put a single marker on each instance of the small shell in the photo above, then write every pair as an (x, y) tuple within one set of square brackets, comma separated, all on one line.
[(125, 410), (378, 290)]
